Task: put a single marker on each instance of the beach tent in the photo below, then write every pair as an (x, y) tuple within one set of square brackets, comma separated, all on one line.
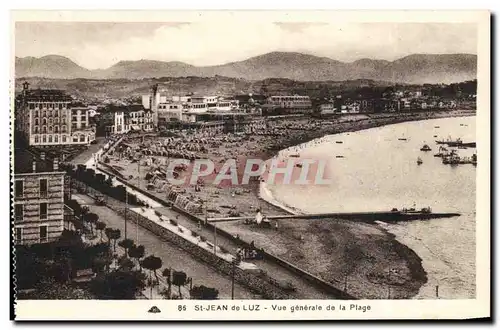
[(258, 218)]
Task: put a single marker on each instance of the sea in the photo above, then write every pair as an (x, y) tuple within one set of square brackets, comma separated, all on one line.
[(378, 171)]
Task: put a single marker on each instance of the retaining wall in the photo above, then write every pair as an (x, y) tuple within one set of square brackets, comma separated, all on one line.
[(256, 280), (328, 287)]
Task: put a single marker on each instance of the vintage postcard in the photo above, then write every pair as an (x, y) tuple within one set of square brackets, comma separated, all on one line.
[(239, 165)]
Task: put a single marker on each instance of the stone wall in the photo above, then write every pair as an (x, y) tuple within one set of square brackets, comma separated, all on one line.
[(256, 280)]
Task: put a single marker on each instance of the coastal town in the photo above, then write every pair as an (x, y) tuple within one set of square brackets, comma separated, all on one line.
[(96, 212)]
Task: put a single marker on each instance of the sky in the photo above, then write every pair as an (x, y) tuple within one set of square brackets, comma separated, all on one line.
[(100, 45)]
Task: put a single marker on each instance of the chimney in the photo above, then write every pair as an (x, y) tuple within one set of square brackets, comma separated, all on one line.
[(34, 166), (56, 164), (42, 155)]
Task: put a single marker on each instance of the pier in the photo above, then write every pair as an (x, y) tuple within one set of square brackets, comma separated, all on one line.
[(355, 216)]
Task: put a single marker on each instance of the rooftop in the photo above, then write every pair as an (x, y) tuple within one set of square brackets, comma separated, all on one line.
[(125, 108), (23, 162), (45, 95)]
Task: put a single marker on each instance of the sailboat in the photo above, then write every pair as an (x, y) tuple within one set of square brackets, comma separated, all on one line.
[(419, 161)]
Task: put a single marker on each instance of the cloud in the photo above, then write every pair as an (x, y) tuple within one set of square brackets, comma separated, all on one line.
[(100, 45)]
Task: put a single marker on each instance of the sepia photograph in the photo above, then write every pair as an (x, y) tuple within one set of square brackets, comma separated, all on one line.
[(227, 157)]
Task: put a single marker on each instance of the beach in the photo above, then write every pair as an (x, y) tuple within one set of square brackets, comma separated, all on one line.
[(364, 259)]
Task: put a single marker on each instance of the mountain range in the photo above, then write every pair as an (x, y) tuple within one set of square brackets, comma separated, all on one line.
[(416, 68)]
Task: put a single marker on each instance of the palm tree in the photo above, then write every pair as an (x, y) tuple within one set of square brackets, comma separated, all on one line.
[(127, 243), (100, 226), (179, 279), (137, 252)]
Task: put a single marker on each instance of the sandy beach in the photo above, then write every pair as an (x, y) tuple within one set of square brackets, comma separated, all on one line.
[(364, 259)]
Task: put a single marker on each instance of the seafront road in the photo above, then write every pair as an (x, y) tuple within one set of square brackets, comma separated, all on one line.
[(171, 255)]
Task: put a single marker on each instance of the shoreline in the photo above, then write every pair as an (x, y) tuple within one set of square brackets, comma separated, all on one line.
[(415, 266), (330, 249)]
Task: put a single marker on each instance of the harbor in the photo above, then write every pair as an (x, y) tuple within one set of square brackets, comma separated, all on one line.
[(399, 180)]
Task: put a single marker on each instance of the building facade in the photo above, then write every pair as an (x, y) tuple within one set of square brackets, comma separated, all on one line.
[(119, 119), (38, 199), (290, 103), (47, 117)]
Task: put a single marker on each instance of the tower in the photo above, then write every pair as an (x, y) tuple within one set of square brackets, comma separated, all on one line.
[(154, 100)]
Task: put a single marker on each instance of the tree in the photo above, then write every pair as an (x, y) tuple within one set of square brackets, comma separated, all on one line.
[(100, 226), (167, 273), (92, 219), (204, 293), (109, 232), (118, 284), (127, 243), (179, 279), (115, 235), (152, 263), (125, 263), (137, 252)]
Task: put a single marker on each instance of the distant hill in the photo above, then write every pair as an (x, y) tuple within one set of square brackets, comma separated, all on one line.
[(99, 89), (417, 68), (50, 66)]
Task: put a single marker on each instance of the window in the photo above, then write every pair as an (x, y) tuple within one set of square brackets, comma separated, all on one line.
[(43, 211), (63, 129), (50, 138), (44, 129), (50, 121), (75, 138), (37, 139), (56, 138), (44, 121), (19, 188), (19, 212), (36, 121), (44, 185), (82, 138), (32, 106), (36, 113), (64, 138), (44, 138), (19, 235), (60, 106), (40, 106), (56, 114), (50, 129), (44, 113), (43, 233), (36, 129), (56, 129)]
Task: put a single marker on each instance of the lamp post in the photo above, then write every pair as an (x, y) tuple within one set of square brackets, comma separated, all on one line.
[(232, 278)]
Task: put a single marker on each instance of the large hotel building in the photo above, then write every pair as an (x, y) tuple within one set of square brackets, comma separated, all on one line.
[(48, 117)]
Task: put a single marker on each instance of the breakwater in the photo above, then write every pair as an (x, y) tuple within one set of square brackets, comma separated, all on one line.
[(369, 217)]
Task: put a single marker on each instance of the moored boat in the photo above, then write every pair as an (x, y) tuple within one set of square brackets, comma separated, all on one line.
[(419, 161), (425, 148)]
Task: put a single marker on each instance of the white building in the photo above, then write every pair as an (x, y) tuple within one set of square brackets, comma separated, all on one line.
[(126, 118), (290, 103), (51, 118)]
